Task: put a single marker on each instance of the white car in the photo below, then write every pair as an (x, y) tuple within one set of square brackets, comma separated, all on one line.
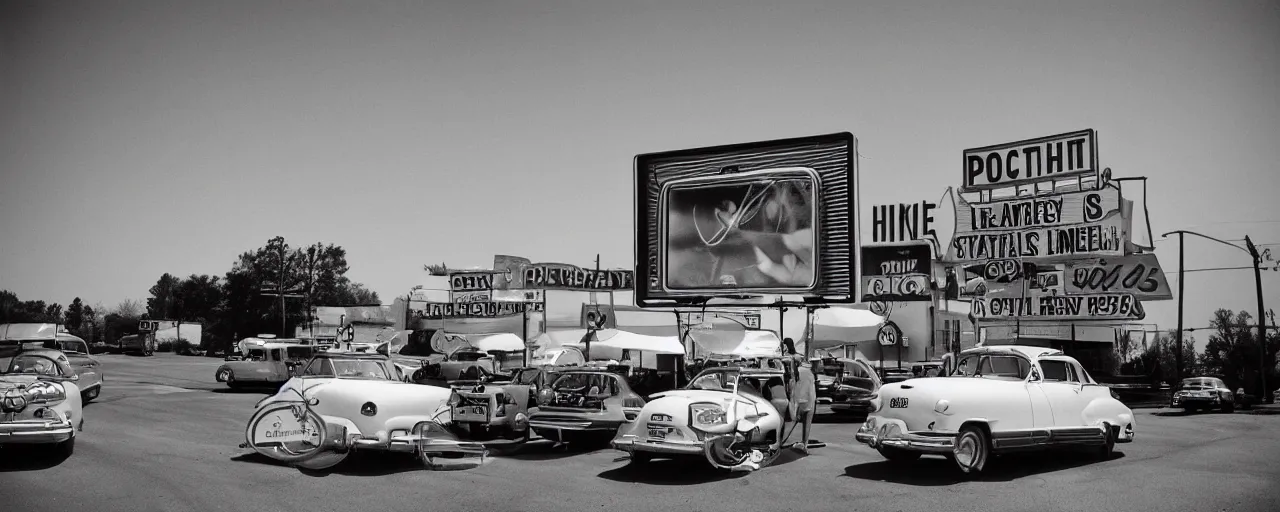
[(344, 401), (732, 416), (39, 399), (997, 399)]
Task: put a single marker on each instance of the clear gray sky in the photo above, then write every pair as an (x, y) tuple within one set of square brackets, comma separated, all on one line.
[(144, 137)]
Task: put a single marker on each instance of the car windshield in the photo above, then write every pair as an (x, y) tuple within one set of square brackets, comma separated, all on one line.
[(998, 366), (587, 383), (715, 381), (30, 364), (1200, 383), (347, 369)]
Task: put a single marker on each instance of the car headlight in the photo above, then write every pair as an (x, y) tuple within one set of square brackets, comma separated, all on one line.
[(707, 415), (369, 409), (46, 393)]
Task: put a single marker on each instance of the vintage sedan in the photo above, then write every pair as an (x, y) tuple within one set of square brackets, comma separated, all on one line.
[(997, 399), (269, 364), (585, 404), (1203, 393), (39, 399), (733, 416), (344, 401)]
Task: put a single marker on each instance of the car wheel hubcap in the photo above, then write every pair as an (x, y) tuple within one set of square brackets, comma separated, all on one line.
[(966, 452)]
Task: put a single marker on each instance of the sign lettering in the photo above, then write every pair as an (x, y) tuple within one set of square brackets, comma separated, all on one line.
[(443, 310), (1108, 306), (1036, 212), (1139, 275), (1095, 239), (902, 222), (471, 281), (559, 276), (1055, 157), (1136, 274)]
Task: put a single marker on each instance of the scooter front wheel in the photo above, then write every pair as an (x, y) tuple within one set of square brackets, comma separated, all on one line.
[(289, 433)]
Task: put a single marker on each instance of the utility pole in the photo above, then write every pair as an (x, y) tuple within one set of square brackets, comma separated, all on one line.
[(1182, 284), (1262, 322)]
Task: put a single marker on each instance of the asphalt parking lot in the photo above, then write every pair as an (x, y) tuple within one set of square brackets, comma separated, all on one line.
[(163, 436)]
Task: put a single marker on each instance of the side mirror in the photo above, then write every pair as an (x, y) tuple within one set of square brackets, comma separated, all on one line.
[(1035, 375)]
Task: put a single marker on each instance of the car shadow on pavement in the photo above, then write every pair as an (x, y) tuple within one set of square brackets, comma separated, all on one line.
[(28, 458), (838, 418), (937, 471), (1180, 412), (545, 449), (681, 471), (357, 464)]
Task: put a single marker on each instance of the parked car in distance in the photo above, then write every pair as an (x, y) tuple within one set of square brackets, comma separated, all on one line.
[(270, 364), (1198, 393), (998, 399), (585, 403), (39, 399)]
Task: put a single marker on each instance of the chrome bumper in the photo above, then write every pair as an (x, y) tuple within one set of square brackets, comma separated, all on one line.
[(630, 443), (36, 432), (891, 434)]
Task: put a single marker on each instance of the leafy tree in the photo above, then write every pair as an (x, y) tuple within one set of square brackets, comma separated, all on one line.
[(436, 270), (75, 315), (1158, 360), (163, 301), (1233, 352), (9, 306), (198, 298)]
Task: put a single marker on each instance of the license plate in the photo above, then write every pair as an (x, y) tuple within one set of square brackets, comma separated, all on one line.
[(658, 433), (897, 403)]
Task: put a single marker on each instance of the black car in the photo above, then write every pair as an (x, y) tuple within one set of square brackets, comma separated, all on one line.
[(1198, 393)]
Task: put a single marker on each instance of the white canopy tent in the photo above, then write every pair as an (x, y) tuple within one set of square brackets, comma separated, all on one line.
[(737, 342), (447, 343), (833, 327), (613, 339)]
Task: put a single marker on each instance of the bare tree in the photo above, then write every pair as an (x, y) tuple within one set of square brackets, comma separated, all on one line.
[(129, 308)]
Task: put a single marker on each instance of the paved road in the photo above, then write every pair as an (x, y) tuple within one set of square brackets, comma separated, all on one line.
[(163, 437)]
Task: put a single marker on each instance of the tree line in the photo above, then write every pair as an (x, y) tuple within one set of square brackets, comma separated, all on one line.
[(1232, 353), (243, 302)]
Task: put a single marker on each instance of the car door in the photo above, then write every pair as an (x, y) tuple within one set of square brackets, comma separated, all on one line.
[(1062, 386), (85, 365), (1041, 411)]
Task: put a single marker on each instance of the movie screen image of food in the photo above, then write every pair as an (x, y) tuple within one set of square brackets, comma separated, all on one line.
[(751, 232)]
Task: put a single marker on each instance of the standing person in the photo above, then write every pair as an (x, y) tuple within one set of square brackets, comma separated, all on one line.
[(805, 397)]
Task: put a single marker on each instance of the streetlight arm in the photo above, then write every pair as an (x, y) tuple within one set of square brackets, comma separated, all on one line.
[(1223, 242)]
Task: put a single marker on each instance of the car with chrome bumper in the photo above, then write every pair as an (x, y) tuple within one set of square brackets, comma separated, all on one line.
[(40, 401), (732, 416), (997, 399), (344, 401), (1198, 393), (585, 403)]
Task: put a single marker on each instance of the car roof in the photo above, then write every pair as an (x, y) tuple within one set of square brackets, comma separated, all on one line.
[(1023, 350), (40, 351)]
